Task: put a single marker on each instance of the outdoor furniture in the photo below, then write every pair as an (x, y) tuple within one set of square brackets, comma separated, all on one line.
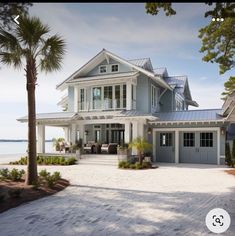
[(110, 148), (89, 147), (97, 148)]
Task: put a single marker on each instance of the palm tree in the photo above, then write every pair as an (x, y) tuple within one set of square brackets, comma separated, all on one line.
[(141, 145), (28, 46)]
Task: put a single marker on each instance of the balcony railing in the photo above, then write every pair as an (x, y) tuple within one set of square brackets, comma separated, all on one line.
[(106, 104)]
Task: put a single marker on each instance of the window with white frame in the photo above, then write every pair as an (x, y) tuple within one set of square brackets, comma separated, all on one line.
[(153, 96), (103, 69), (114, 68)]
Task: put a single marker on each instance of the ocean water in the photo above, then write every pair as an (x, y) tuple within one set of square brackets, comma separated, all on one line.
[(20, 147)]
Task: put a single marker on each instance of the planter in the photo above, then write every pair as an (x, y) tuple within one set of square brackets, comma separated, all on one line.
[(123, 154)]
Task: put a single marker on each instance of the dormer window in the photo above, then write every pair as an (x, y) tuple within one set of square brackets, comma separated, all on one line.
[(114, 68), (103, 69)]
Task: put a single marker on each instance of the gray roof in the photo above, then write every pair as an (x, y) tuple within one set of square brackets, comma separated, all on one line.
[(138, 114), (160, 71), (178, 81), (190, 115), (144, 63), (54, 115)]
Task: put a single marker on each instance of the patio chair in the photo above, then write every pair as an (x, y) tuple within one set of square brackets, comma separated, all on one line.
[(89, 147), (110, 148)]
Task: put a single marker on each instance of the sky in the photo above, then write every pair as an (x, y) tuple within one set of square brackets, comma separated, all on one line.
[(127, 31)]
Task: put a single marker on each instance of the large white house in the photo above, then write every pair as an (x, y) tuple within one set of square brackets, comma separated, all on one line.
[(113, 100)]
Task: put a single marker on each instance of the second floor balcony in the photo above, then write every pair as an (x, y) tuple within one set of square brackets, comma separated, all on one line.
[(106, 104)]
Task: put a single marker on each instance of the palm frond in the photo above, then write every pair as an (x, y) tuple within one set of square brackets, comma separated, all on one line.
[(11, 58), (52, 54), (30, 31)]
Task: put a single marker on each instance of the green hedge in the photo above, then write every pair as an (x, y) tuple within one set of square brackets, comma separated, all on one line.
[(48, 160), (137, 165)]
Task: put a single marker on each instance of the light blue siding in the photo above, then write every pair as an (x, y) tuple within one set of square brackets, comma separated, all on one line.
[(143, 94), (166, 103)]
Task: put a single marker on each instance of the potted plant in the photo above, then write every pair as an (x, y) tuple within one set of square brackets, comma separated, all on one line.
[(58, 143), (141, 145), (123, 152)]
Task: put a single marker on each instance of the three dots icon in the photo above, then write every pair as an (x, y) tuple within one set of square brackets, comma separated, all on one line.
[(218, 19)]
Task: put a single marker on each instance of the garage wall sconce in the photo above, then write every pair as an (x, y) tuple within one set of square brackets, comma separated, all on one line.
[(86, 132), (149, 130), (222, 131)]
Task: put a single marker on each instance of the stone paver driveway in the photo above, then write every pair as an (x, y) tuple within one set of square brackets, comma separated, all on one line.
[(103, 200)]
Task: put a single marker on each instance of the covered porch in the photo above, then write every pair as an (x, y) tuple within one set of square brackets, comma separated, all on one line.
[(119, 127)]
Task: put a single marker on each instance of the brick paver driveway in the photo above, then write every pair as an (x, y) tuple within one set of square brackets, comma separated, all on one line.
[(103, 200)]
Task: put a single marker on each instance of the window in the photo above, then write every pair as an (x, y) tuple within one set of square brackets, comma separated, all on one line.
[(124, 96), (103, 69), (117, 96), (166, 139), (189, 139), (153, 96), (206, 139), (96, 98), (97, 136), (82, 99), (114, 68), (108, 94)]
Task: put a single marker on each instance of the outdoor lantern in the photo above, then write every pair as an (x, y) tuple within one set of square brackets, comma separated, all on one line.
[(86, 132), (222, 131), (149, 130)]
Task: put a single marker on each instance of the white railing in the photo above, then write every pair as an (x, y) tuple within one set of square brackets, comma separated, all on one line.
[(106, 104)]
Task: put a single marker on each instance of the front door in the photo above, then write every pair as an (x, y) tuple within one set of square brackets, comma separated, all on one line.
[(117, 136), (165, 147)]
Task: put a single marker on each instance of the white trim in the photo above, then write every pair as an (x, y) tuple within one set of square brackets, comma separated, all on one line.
[(187, 121)]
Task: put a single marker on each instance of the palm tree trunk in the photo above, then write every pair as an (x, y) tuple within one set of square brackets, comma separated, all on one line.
[(31, 177)]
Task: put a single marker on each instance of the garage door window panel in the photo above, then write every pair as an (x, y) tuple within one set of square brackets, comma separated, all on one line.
[(165, 139), (206, 139), (189, 139)]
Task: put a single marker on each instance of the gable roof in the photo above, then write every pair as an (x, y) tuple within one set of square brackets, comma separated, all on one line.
[(144, 63), (162, 71), (181, 86), (104, 54)]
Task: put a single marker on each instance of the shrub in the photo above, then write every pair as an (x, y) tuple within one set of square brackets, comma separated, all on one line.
[(44, 173), (121, 164), (4, 173), (228, 158), (132, 166), (16, 175), (71, 161), (15, 193), (138, 166), (50, 180), (146, 164)]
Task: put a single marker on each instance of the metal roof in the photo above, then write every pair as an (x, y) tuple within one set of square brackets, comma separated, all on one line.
[(179, 81), (54, 115), (137, 114), (144, 63), (160, 71), (190, 115)]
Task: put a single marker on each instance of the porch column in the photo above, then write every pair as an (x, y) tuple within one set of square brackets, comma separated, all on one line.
[(81, 128), (141, 129), (177, 146), (134, 134), (73, 133), (41, 139), (154, 146), (66, 134), (127, 132), (128, 96)]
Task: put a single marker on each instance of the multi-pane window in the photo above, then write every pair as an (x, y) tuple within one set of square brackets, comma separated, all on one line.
[(206, 139), (117, 96), (153, 96), (124, 96), (114, 68), (108, 94), (103, 69), (97, 98), (166, 139), (189, 139), (82, 99)]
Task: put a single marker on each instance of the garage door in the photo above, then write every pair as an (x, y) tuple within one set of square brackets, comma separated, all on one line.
[(198, 147), (165, 147)]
